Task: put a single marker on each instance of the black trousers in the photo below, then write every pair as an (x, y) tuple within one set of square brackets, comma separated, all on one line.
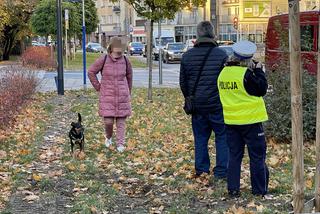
[(253, 136)]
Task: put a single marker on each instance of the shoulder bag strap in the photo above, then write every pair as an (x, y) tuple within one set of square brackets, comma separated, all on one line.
[(104, 62), (201, 69), (125, 58)]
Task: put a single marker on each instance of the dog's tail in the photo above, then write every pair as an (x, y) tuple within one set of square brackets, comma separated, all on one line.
[(79, 118)]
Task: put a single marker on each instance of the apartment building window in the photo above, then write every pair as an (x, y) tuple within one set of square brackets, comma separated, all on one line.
[(237, 11), (229, 11), (117, 20), (104, 20), (110, 19), (310, 5)]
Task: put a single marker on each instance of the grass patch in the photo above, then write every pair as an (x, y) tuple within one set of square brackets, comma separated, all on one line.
[(77, 63)]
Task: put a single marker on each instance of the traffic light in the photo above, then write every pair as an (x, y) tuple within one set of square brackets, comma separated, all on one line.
[(235, 22)]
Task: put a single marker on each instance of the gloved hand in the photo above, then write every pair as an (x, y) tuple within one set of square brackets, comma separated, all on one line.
[(253, 64)]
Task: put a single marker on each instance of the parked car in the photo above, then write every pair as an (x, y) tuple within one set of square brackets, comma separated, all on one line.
[(38, 44), (94, 48), (135, 48), (173, 52)]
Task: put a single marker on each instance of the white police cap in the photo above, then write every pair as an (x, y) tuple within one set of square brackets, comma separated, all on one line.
[(244, 49)]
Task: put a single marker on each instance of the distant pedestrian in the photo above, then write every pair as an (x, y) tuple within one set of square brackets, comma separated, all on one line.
[(114, 90), (242, 86), (199, 71)]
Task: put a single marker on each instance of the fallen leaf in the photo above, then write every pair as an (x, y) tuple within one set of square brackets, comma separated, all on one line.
[(274, 161), (71, 167), (238, 210), (82, 156), (3, 154), (31, 198), (309, 183), (93, 210), (82, 167), (251, 204), (36, 177), (260, 208)]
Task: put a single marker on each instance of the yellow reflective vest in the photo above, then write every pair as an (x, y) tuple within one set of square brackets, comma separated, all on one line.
[(239, 108)]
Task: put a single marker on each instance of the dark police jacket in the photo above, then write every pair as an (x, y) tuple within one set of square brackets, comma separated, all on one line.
[(255, 81), (207, 99)]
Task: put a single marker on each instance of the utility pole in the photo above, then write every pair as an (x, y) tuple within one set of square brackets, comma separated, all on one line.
[(160, 53), (60, 51), (317, 144), (214, 11), (149, 56), (296, 106), (67, 28), (84, 56)]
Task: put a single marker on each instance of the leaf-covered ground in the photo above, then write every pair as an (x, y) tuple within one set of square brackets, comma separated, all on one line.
[(153, 175)]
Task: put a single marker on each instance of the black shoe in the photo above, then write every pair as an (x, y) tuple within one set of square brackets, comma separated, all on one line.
[(234, 194)]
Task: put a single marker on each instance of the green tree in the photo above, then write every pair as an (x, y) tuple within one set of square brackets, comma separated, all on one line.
[(155, 10), (90, 16), (43, 21), (17, 13)]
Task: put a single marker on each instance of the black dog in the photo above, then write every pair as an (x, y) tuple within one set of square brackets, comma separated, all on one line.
[(76, 134)]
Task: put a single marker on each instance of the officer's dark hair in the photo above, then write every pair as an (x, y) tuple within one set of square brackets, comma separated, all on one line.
[(205, 29)]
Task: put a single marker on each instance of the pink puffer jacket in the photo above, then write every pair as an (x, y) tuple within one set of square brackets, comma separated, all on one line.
[(115, 86)]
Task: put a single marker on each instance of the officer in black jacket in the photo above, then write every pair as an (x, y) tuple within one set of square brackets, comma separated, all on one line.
[(207, 115)]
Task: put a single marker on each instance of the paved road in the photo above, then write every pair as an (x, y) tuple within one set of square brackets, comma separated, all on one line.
[(74, 80)]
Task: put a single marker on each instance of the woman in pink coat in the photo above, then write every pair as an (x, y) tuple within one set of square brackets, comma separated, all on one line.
[(114, 90)]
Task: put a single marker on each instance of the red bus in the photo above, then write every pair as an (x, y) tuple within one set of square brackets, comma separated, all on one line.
[(277, 42)]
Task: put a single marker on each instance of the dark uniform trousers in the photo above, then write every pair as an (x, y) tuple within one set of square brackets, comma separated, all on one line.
[(253, 136)]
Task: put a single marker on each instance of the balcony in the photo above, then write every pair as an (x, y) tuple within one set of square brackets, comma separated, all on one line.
[(116, 9)]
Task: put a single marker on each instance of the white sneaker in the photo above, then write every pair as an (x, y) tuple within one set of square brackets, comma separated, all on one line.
[(108, 142), (121, 148)]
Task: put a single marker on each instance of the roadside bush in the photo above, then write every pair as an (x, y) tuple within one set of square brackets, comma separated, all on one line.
[(278, 104), (38, 57), (17, 86)]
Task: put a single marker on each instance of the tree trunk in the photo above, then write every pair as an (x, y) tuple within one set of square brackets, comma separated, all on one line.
[(150, 61), (317, 145), (7, 47), (296, 106)]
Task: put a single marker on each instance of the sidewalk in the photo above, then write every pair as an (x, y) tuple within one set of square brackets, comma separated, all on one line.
[(74, 80)]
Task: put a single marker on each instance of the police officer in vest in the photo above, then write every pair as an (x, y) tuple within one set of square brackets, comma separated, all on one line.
[(242, 84)]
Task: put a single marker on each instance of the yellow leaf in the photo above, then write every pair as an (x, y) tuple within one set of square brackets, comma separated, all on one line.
[(82, 167), (71, 167), (24, 152), (309, 183), (117, 186), (36, 177)]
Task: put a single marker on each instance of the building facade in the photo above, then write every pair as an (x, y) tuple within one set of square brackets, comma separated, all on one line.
[(253, 16), (113, 21), (183, 25), (120, 19)]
